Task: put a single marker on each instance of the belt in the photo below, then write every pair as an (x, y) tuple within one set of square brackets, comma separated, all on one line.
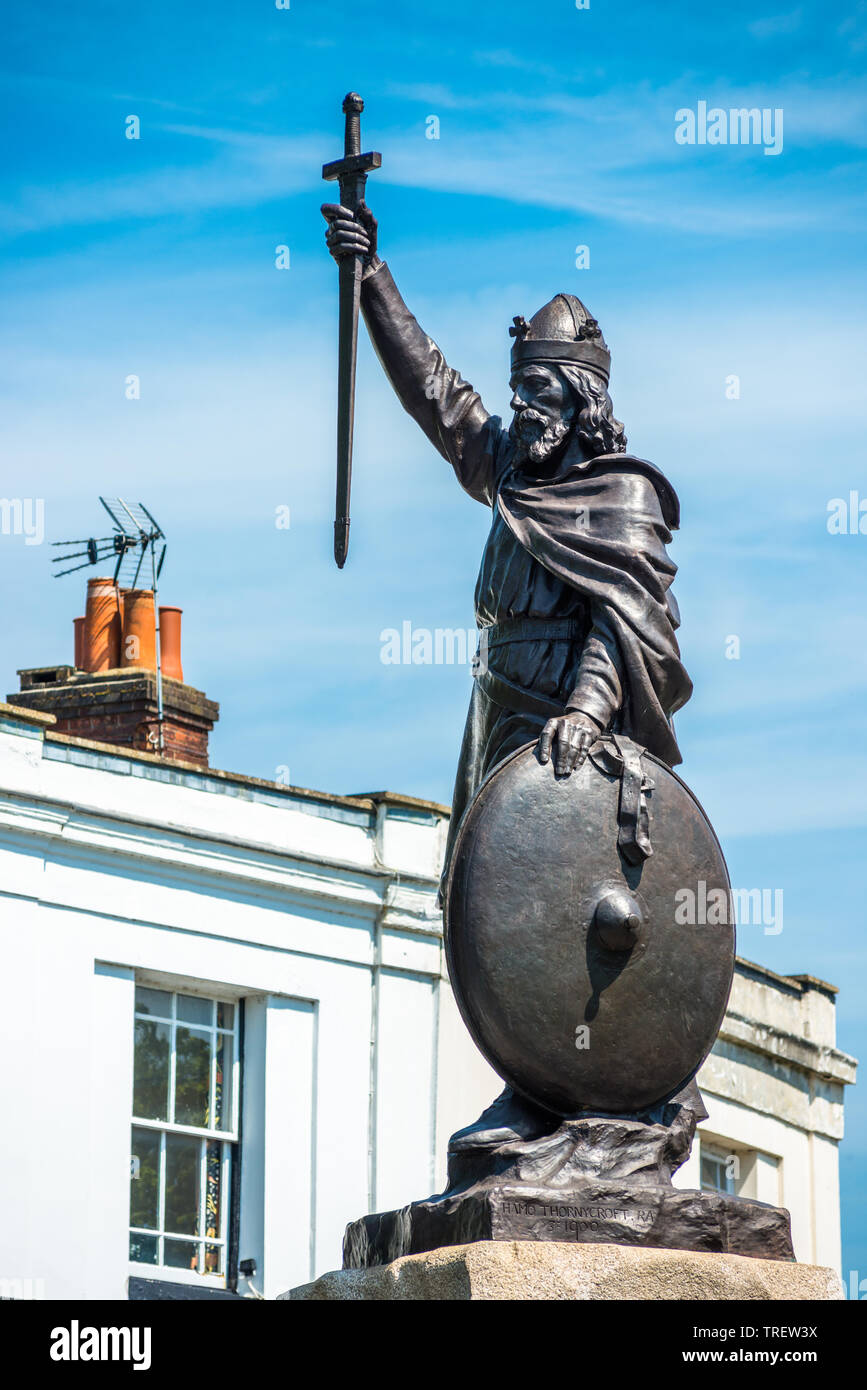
[(504, 692), (533, 630)]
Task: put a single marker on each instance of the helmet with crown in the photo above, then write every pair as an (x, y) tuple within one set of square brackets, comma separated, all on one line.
[(563, 331)]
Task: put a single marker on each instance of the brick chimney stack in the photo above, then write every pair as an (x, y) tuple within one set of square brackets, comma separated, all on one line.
[(111, 692)]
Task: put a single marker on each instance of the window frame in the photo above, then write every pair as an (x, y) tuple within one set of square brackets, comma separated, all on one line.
[(229, 1140), (718, 1156)]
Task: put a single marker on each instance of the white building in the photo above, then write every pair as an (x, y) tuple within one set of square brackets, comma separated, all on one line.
[(300, 1060)]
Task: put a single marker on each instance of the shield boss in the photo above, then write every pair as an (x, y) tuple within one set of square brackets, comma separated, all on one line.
[(588, 983)]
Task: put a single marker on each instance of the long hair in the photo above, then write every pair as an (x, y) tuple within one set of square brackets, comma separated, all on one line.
[(595, 426)]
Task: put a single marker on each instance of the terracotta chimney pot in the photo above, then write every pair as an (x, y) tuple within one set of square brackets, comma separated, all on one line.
[(101, 643), (170, 643), (139, 646), (78, 658)]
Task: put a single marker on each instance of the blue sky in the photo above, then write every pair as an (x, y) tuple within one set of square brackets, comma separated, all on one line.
[(156, 257)]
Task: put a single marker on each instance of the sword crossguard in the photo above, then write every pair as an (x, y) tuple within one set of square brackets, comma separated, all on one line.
[(353, 162)]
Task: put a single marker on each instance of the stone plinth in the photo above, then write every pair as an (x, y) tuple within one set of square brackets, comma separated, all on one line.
[(553, 1270)]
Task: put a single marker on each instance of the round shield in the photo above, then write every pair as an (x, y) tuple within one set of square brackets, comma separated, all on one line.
[(587, 981)]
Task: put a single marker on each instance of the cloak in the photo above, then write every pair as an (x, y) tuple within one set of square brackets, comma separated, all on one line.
[(602, 528)]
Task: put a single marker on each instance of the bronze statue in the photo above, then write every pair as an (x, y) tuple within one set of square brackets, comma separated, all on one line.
[(558, 922), (574, 596)]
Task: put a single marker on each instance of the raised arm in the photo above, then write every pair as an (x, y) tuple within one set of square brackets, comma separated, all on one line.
[(446, 407)]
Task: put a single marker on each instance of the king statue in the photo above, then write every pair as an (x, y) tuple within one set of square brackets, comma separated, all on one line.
[(573, 602), (570, 836)]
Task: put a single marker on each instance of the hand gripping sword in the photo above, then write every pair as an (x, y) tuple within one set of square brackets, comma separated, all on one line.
[(351, 173)]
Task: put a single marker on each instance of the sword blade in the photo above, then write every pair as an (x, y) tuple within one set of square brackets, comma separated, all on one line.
[(350, 172), (350, 297)]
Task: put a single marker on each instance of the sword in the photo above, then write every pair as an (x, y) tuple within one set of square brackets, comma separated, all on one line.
[(351, 173)]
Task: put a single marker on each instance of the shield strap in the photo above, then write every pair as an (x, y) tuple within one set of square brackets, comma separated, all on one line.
[(615, 753), (634, 833)]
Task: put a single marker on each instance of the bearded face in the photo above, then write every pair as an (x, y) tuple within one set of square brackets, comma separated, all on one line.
[(544, 407)]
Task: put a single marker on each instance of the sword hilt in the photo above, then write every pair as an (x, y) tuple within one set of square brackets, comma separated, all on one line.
[(352, 169), (353, 107)]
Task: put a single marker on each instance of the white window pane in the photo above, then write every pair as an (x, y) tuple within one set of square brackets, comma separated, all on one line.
[(156, 1002), (192, 1009), (151, 1070), (144, 1249), (181, 1254), (144, 1183), (183, 1183), (717, 1174), (192, 1077)]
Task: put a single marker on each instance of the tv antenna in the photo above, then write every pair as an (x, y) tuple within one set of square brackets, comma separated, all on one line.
[(137, 536), (135, 533)]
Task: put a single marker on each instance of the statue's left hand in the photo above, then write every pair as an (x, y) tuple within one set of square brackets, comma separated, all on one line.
[(571, 736)]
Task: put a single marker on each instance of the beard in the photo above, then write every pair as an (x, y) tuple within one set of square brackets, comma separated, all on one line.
[(537, 437)]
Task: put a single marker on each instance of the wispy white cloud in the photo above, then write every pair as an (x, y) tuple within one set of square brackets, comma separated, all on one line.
[(614, 158), (505, 58), (246, 171), (640, 118), (617, 158)]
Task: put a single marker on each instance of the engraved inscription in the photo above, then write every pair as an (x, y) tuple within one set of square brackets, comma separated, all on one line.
[(566, 1220)]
